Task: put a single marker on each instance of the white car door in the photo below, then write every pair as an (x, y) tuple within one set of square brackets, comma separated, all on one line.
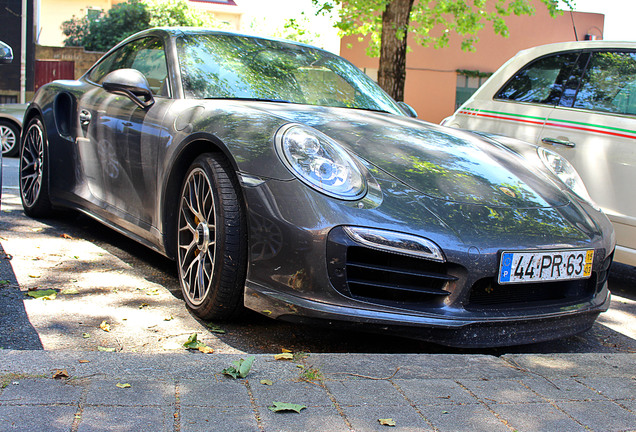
[(596, 132)]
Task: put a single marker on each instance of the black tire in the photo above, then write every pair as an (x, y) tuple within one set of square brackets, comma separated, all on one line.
[(212, 239), (34, 171), (9, 138)]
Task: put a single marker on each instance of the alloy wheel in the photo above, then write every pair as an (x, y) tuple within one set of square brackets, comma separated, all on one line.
[(7, 138), (196, 236), (32, 165)]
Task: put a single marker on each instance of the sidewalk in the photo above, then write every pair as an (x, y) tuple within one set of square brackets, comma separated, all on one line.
[(438, 392)]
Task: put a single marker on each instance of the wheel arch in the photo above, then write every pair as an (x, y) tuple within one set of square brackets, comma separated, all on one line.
[(32, 112), (191, 148)]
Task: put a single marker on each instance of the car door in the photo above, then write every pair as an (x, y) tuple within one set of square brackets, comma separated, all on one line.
[(521, 106), (120, 143), (594, 127)]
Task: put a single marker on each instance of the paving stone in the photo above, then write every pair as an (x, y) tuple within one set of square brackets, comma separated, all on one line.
[(600, 415), (501, 391), (536, 417), (567, 389), (140, 393), (629, 404), (460, 418), (435, 392), (226, 393), (41, 391), (413, 366), (287, 391), (217, 419), (576, 364), (31, 418), (321, 419), (126, 419), (365, 419), (365, 392), (613, 388)]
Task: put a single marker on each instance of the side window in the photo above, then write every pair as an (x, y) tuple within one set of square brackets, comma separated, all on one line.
[(146, 55), (115, 60), (541, 81), (609, 83)]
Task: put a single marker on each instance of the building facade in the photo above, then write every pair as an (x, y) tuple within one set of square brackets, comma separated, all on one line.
[(437, 80)]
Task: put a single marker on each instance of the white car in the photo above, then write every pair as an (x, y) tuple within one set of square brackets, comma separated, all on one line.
[(579, 100)]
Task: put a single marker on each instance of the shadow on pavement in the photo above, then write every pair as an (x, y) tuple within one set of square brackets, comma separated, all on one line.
[(16, 331)]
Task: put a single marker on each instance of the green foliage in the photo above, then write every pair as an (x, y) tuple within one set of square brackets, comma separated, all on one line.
[(473, 73), (431, 21), (284, 406), (240, 369), (45, 294), (104, 31)]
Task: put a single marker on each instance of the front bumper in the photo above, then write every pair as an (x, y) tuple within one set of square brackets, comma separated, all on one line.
[(465, 333)]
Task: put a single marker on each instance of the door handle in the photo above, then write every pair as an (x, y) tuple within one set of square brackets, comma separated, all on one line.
[(84, 117), (552, 141)]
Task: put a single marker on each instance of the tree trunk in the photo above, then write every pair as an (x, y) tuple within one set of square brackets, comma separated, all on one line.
[(392, 73)]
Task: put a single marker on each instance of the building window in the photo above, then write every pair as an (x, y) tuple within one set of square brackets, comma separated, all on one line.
[(8, 99), (467, 83), (93, 13)]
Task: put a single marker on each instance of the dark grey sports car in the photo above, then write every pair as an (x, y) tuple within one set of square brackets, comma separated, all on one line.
[(281, 178)]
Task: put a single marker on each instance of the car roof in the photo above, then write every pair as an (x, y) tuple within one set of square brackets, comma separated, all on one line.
[(566, 46), (178, 31)]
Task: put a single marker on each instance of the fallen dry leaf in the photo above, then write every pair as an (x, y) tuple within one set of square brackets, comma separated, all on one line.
[(84, 361), (105, 326), (285, 350), (266, 382), (125, 385), (387, 422), (206, 349), (284, 356), (70, 291), (66, 236), (59, 374)]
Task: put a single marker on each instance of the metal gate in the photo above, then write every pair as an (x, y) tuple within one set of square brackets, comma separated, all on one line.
[(50, 70)]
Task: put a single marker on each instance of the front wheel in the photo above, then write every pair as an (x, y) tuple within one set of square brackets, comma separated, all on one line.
[(211, 239), (34, 183)]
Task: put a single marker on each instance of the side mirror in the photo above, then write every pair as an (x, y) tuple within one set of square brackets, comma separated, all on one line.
[(130, 83), (408, 109), (6, 53)]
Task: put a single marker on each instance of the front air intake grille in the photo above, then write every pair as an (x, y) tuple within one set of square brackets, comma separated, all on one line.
[(385, 277), (373, 274), (486, 293)]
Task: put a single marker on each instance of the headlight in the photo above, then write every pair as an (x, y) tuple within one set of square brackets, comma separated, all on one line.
[(320, 162), (561, 168)]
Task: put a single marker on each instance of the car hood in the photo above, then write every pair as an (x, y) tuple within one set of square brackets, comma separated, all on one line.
[(439, 162)]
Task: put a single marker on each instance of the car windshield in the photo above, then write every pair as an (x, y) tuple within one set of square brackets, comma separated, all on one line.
[(219, 66)]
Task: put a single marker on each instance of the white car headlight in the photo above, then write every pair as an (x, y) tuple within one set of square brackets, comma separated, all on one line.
[(564, 170), (320, 162)]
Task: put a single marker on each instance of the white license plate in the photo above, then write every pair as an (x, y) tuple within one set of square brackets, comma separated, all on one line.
[(541, 266)]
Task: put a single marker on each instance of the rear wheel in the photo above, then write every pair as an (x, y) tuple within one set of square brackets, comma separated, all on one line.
[(211, 239), (34, 171), (10, 138)]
